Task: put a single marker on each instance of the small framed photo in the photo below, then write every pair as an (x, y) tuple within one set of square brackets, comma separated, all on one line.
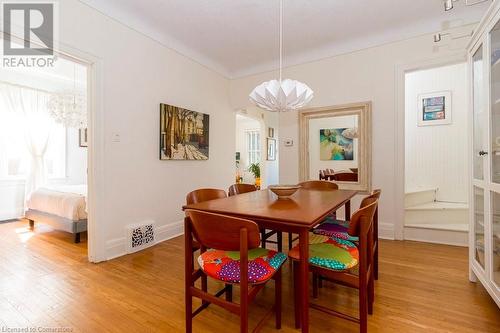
[(271, 149), (83, 137), (270, 132), (434, 109)]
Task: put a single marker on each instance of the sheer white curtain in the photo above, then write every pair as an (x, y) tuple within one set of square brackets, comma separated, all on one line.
[(29, 106)]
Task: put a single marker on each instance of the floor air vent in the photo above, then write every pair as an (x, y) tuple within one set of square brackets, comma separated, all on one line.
[(141, 236)]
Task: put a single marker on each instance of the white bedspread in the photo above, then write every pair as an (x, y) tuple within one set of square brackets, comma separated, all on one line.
[(68, 201)]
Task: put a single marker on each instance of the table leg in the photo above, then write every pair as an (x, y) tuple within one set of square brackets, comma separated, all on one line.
[(304, 279)]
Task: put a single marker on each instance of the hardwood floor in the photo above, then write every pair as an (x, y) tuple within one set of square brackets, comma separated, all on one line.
[(46, 281)]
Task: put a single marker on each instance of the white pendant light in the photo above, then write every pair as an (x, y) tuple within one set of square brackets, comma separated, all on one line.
[(281, 95)]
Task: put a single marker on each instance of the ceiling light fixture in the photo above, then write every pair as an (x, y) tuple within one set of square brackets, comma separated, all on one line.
[(281, 95), (448, 5)]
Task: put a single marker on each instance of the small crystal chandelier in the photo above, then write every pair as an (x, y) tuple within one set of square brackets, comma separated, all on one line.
[(282, 95), (69, 108)]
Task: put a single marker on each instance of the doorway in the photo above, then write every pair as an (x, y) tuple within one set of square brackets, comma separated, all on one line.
[(45, 150), (436, 168), (249, 152)]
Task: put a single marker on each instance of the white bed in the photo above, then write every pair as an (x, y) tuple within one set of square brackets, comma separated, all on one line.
[(64, 207)]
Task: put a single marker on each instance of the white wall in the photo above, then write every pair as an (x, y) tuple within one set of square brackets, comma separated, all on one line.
[(436, 156), (366, 75), (138, 74), (76, 159)]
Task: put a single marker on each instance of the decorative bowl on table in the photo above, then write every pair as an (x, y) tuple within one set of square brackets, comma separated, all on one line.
[(284, 191)]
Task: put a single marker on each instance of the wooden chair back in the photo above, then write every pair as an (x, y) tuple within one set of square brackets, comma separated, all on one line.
[(204, 194), (319, 185), (222, 232), (362, 219), (241, 188), (345, 177)]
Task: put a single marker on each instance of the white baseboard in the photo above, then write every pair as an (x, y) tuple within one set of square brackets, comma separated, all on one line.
[(386, 231), (118, 247), (169, 231)]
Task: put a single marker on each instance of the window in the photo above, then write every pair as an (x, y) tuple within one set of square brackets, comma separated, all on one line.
[(253, 146), (20, 131)]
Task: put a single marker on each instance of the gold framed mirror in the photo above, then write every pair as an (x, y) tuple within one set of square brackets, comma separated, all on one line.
[(336, 145)]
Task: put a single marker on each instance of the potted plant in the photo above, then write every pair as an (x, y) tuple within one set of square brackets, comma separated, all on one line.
[(254, 168)]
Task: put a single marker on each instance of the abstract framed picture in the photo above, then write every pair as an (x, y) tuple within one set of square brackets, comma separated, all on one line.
[(184, 134), (434, 109), (336, 144), (83, 137), (271, 149)]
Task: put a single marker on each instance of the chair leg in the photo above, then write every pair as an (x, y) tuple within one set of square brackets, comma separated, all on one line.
[(363, 309), (243, 309), (229, 292), (371, 294), (279, 238), (296, 294), (263, 237), (77, 238), (290, 240), (375, 260), (32, 224), (189, 312), (204, 285), (277, 298), (315, 279)]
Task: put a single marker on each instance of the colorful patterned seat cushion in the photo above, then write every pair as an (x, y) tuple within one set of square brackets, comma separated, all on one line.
[(335, 228), (330, 253), (225, 265)]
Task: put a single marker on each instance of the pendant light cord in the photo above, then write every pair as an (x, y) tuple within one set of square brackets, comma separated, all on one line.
[(281, 39)]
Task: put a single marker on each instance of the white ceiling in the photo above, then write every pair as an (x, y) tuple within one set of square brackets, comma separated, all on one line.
[(239, 37)]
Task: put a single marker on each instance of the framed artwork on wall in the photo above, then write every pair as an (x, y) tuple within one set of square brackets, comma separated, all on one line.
[(184, 134), (83, 137), (336, 144), (434, 109), (271, 149)]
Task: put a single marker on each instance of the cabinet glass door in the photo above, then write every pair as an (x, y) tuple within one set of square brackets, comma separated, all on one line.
[(480, 135), (495, 104), (495, 242), (479, 240), (479, 112)]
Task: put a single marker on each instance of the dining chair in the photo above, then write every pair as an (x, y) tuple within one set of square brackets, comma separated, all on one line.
[(313, 185), (197, 196), (230, 254), (333, 227), (241, 188), (341, 261), (345, 177), (236, 189)]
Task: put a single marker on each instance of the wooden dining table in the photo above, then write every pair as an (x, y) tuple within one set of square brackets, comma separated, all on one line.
[(297, 214)]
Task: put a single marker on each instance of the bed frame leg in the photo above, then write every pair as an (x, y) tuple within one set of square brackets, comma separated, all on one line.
[(32, 224), (77, 238)]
